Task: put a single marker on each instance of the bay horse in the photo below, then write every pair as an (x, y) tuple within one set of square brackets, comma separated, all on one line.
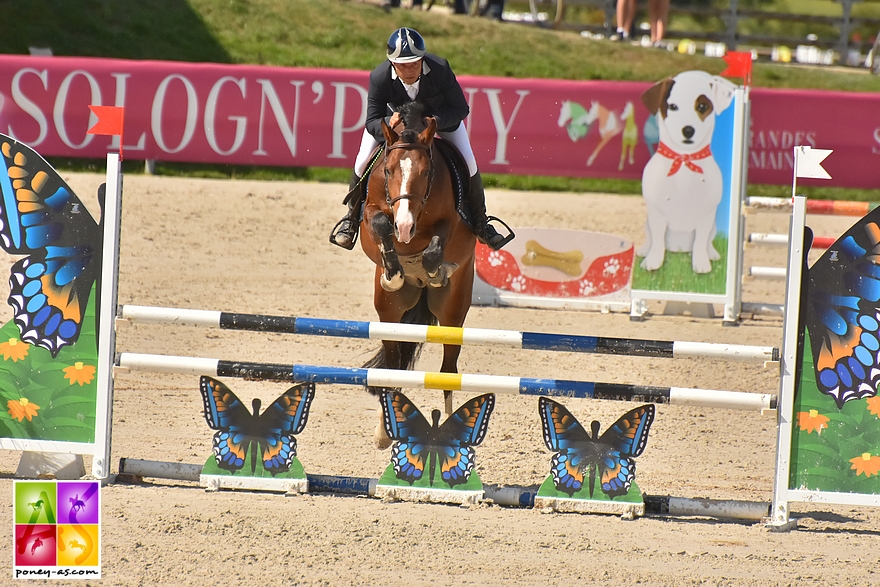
[(423, 250)]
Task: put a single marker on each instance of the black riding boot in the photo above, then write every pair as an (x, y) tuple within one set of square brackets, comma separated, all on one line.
[(484, 231), (345, 233)]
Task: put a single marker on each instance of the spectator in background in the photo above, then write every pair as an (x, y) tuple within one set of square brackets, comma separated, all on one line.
[(658, 14), (626, 14)]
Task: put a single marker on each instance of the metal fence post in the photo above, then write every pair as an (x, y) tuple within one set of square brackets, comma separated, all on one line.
[(845, 27), (732, 24)]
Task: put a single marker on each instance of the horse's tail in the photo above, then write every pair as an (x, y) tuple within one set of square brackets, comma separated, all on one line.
[(409, 351)]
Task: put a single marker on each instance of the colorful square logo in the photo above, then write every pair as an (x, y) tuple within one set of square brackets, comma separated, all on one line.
[(56, 529)]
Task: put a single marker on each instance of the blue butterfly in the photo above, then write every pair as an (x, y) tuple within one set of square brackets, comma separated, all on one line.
[(578, 452), (239, 431), (42, 218), (421, 446), (842, 301)]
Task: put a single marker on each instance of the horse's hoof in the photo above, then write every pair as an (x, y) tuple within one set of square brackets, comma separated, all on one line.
[(380, 438), (393, 284)]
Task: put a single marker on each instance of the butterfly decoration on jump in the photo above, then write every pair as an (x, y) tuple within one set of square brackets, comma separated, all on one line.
[(242, 433), (43, 219), (580, 454), (421, 446), (842, 313)]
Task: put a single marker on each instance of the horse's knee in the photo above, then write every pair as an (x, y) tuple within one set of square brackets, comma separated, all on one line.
[(382, 225)]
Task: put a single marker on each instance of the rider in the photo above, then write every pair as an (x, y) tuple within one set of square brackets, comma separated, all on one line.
[(409, 74)]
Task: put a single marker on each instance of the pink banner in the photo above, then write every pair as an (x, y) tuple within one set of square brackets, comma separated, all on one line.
[(299, 117)]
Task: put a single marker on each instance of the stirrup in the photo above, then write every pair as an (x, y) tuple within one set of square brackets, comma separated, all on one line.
[(505, 239), (337, 229)]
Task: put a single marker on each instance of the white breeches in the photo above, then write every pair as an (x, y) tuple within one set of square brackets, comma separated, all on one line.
[(458, 137)]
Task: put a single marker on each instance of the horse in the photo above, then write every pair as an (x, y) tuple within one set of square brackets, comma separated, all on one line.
[(579, 121), (423, 250), (630, 135)]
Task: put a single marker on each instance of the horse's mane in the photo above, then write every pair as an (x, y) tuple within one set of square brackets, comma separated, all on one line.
[(412, 114)]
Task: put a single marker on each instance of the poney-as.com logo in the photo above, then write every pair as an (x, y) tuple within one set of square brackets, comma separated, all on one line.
[(57, 530)]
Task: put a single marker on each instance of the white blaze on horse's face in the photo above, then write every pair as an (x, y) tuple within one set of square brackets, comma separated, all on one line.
[(404, 223)]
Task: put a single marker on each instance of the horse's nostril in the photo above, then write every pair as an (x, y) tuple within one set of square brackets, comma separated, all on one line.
[(688, 132)]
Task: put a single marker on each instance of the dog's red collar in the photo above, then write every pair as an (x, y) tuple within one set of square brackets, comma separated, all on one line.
[(678, 159)]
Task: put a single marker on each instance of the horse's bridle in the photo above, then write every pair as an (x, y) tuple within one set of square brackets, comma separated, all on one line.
[(408, 147)]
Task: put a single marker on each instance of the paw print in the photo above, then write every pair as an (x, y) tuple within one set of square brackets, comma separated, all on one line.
[(518, 283), (587, 288), (495, 259), (612, 266)]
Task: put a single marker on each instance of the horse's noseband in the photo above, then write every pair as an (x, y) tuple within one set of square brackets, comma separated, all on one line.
[(410, 147)]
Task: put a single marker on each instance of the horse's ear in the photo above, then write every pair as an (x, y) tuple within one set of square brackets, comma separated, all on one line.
[(390, 136), (656, 96), (427, 136)]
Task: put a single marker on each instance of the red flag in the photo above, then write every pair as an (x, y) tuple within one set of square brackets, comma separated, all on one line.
[(739, 64), (109, 120)]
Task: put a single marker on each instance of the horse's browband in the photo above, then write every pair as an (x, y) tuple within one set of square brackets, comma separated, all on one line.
[(409, 146)]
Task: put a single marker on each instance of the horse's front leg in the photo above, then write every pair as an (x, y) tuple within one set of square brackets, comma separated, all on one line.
[(432, 262), (383, 230)]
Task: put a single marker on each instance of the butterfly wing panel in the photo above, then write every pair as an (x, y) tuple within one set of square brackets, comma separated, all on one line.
[(843, 313), (42, 218)]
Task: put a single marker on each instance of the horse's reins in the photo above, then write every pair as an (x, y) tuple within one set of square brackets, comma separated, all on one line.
[(408, 147)]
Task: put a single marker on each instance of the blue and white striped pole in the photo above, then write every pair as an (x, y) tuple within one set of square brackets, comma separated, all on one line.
[(733, 400), (448, 334)]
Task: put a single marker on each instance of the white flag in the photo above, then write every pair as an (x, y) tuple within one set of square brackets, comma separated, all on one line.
[(809, 162)]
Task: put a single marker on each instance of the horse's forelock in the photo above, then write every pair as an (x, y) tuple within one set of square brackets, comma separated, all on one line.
[(409, 136), (412, 114)]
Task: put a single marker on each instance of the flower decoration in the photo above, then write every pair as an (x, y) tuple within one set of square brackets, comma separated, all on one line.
[(874, 405), (812, 421), (22, 408), (79, 373), (867, 464), (14, 349)]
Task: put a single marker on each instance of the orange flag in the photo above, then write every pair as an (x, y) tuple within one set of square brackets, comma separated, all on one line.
[(739, 64), (109, 120)]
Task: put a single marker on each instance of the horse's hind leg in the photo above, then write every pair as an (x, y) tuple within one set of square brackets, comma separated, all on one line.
[(450, 305), (451, 353)]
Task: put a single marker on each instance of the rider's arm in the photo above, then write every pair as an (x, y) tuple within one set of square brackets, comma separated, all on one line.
[(454, 107), (378, 98)]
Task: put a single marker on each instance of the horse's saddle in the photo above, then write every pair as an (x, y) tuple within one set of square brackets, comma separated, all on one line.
[(458, 172)]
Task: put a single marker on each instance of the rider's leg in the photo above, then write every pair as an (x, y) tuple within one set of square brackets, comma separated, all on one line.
[(484, 231), (344, 233)]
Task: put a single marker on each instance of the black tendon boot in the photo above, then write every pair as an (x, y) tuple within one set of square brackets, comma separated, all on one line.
[(345, 232), (484, 231)]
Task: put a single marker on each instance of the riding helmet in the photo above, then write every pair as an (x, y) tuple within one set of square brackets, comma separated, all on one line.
[(405, 45)]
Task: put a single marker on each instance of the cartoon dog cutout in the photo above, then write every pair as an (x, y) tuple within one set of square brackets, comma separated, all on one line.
[(681, 183)]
